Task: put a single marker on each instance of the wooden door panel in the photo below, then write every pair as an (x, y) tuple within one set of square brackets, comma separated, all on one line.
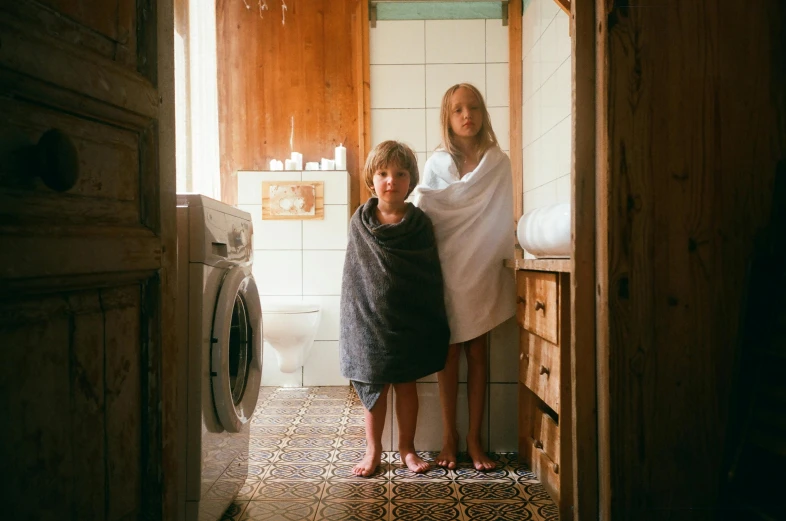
[(108, 160), (86, 275), (75, 369)]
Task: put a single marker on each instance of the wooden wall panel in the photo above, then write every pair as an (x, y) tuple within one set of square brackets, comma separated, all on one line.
[(287, 86), (693, 127)]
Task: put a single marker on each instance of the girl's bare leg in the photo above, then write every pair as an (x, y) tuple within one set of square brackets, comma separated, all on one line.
[(375, 424), (477, 367), (448, 395), (407, 414)]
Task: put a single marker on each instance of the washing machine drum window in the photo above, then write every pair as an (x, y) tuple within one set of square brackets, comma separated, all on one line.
[(236, 352)]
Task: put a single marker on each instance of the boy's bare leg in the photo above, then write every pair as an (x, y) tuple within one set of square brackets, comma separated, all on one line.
[(477, 367), (407, 414), (448, 395), (375, 424)]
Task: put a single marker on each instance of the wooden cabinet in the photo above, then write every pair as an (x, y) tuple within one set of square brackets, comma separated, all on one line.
[(543, 316)]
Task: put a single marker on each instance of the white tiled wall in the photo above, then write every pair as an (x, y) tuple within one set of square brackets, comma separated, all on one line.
[(301, 260), (546, 109), (412, 64)]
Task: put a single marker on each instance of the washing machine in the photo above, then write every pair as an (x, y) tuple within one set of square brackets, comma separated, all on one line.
[(220, 332)]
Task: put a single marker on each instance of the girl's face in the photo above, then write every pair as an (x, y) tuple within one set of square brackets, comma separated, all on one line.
[(466, 117), (391, 184)]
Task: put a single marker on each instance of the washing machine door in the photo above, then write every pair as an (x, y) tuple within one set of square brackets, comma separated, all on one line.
[(236, 352)]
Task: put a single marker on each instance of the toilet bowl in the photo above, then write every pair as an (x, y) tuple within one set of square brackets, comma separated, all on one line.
[(289, 329)]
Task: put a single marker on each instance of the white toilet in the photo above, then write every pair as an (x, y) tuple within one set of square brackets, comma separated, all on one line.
[(289, 329)]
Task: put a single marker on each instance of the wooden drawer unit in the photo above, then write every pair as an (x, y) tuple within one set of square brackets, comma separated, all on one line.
[(538, 304), (544, 382), (539, 368)]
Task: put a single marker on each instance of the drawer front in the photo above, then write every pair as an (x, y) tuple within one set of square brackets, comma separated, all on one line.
[(539, 368), (547, 471), (538, 304)]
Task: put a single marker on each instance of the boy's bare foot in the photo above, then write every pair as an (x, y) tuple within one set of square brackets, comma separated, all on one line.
[(368, 464), (447, 456), (479, 458), (414, 462)]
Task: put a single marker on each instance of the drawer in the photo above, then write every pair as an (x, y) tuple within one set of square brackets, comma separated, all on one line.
[(537, 427), (539, 368), (538, 303)]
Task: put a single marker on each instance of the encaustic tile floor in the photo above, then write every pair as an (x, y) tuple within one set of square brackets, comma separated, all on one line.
[(305, 441)]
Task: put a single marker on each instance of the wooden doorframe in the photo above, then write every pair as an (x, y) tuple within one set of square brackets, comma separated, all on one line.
[(587, 408)]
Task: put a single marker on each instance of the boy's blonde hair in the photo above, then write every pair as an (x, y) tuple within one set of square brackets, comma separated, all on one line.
[(391, 153), (484, 139)]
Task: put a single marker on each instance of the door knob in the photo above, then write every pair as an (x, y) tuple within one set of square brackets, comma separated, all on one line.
[(54, 159)]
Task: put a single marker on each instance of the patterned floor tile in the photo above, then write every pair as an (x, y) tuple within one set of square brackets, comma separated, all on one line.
[(288, 490), (496, 511), (421, 510), (304, 444), (353, 511), (280, 510)]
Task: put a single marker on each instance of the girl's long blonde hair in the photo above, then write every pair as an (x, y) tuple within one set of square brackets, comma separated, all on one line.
[(484, 139)]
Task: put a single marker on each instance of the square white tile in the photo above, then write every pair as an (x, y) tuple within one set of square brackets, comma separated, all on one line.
[(406, 125), (329, 233), (397, 86), (272, 375), (322, 366), (497, 85), (329, 317), (322, 272), (564, 40), (336, 184), (397, 42), (279, 272), (421, 162), (455, 41), (497, 49), (540, 196), (504, 352), (433, 129), (503, 427), (563, 189), (439, 78), (274, 235), (500, 121)]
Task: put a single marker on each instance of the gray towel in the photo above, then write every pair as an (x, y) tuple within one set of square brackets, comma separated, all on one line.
[(393, 323)]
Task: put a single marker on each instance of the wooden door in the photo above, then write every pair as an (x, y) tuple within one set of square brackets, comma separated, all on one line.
[(86, 259)]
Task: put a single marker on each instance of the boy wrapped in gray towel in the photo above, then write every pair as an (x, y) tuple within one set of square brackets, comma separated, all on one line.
[(394, 328)]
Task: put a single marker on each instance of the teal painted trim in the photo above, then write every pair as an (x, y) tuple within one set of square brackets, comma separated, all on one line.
[(525, 4), (439, 10)]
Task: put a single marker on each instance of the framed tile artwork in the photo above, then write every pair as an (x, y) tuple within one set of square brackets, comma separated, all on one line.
[(284, 200)]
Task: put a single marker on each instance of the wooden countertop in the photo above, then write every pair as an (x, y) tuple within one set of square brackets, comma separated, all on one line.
[(560, 265)]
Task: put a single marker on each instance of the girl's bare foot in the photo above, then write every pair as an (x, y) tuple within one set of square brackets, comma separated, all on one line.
[(368, 464), (479, 458), (414, 462), (447, 456)]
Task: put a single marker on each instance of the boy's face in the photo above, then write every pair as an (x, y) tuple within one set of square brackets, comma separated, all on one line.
[(391, 184)]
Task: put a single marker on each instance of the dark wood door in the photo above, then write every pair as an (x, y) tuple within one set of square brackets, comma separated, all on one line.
[(86, 269)]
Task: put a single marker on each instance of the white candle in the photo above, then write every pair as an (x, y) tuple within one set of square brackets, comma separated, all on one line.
[(341, 157), (290, 164), (298, 159)]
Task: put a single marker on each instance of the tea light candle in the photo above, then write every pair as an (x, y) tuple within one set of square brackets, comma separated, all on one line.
[(341, 157), (290, 164)]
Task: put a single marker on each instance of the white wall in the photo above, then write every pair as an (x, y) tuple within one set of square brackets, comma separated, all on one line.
[(412, 64), (546, 109), (301, 260)]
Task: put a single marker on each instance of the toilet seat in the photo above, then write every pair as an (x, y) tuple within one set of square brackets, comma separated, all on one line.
[(290, 308)]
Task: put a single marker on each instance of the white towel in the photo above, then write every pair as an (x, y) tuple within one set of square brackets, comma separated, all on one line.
[(475, 230)]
